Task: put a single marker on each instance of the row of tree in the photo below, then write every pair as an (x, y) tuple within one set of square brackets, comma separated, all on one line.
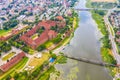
[(10, 24), (5, 47)]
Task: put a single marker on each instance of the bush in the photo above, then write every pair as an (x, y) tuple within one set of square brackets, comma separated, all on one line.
[(10, 24), (41, 47), (107, 57), (57, 39), (54, 56), (25, 49)]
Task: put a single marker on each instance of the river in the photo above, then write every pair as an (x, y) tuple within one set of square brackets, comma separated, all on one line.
[(85, 43)]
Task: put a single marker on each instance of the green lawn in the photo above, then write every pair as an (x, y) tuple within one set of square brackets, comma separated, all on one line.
[(63, 42), (99, 20), (88, 4), (39, 61), (48, 44), (61, 60), (111, 28), (34, 36), (8, 56), (46, 74), (4, 32), (31, 51), (14, 69)]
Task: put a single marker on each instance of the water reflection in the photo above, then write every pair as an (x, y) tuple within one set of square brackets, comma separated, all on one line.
[(85, 43)]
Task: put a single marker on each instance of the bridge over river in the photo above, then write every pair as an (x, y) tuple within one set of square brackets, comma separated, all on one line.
[(93, 62), (89, 9)]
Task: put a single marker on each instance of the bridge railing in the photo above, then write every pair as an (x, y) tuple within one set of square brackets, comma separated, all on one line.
[(93, 62)]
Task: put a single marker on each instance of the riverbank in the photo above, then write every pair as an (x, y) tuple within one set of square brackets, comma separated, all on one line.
[(106, 52), (60, 59), (57, 50), (65, 41), (83, 44)]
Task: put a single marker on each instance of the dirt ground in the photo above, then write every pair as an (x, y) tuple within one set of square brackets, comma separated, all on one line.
[(103, 1)]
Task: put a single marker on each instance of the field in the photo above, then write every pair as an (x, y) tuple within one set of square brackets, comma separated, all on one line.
[(8, 56), (103, 1), (34, 36), (31, 51), (4, 32), (39, 61), (48, 44)]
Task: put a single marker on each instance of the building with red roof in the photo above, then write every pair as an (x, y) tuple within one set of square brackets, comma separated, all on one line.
[(5, 67), (46, 35), (4, 38), (59, 18), (9, 35), (52, 34)]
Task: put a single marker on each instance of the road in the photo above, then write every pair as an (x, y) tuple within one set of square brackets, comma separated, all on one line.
[(112, 36), (113, 43)]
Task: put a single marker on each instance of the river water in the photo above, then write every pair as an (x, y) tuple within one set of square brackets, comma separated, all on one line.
[(85, 43)]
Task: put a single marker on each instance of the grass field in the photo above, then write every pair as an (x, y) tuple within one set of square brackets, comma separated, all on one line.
[(103, 1), (48, 44), (61, 60), (34, 36), (111, 29), (14, 69), (31, 51), (4, 32), (99, 20), (8, 56), (39, 61), (75, 23)]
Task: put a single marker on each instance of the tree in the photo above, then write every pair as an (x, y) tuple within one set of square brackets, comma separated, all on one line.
[(25, 49), (8, 77), (36, 19), (16, 76), (41, 47), (55, 28), (54, 56), (10, 24), (5, 47), (57, 39)]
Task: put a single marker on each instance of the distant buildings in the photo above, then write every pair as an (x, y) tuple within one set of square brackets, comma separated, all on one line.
[(1, 27), (26, 10), (115, 19)]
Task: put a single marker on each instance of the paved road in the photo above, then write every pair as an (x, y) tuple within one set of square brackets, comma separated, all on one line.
[(112, 36)]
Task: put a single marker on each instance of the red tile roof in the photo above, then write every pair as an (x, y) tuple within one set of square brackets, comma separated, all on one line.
[(12, 62), (3, 38), (59, 18), (46, 35), (42, 39), (52, 34)]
